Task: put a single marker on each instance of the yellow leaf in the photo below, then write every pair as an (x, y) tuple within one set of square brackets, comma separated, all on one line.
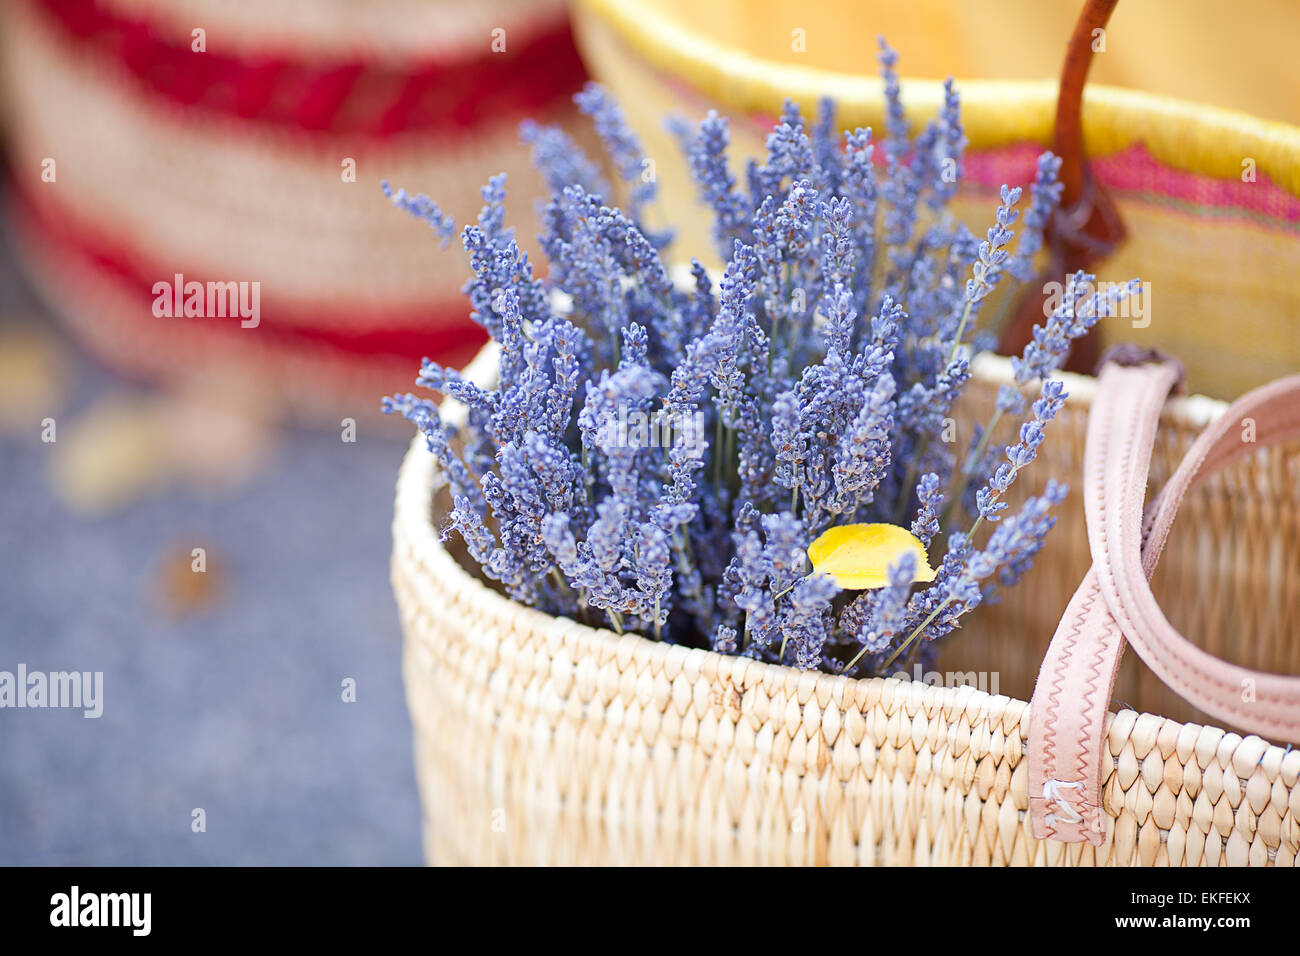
[(858, 556)]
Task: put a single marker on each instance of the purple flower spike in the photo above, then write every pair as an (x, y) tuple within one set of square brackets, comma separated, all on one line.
[(659, 448)]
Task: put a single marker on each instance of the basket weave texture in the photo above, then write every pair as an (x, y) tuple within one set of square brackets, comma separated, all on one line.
[(541, 741)]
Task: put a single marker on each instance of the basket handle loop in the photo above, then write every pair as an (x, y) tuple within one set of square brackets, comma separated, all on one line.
[(1067, 746), (1086, 226)]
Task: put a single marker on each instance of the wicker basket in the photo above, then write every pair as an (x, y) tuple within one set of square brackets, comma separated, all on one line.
[(539, 740), (542, 741)]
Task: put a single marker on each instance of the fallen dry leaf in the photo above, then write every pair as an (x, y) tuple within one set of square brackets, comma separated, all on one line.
[(126, 446), (33, 378), (110, 455), (186, 582)]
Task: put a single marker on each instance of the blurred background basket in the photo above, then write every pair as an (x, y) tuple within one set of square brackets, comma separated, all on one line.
[(245, 142), (538, 740), (1209, 195)]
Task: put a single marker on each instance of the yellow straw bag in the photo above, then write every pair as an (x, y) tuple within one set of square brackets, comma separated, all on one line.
[(539, 740), (1209, 195)]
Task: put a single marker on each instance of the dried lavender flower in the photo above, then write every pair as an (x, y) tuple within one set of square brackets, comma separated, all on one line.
[(657, 456)]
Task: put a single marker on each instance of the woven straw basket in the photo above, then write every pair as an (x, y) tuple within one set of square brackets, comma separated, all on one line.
[(543, 741), (539, 740), (231, 165)]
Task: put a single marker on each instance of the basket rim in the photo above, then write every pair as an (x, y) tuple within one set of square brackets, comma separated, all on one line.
[(1180, 133), (413, 525)]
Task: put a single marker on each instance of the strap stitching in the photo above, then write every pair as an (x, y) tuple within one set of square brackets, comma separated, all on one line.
[(1088, 736), (1089, 740), (1160, 514)]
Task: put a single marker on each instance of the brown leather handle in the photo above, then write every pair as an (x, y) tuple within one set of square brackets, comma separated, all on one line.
[(1086, 226)]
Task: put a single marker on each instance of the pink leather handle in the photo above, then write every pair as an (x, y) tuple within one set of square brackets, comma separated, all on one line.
[(1114, 603)]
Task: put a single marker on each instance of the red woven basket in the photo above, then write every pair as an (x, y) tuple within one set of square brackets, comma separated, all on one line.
[(245, 143)]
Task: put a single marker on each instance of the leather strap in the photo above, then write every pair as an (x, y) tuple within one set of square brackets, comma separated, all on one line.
[(1086, 226), (1067, 749)]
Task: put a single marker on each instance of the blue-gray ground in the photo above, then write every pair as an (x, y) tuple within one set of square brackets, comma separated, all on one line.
[(236, 709)]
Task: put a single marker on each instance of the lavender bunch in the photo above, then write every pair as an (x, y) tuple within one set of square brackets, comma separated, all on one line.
[(659, 456)]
